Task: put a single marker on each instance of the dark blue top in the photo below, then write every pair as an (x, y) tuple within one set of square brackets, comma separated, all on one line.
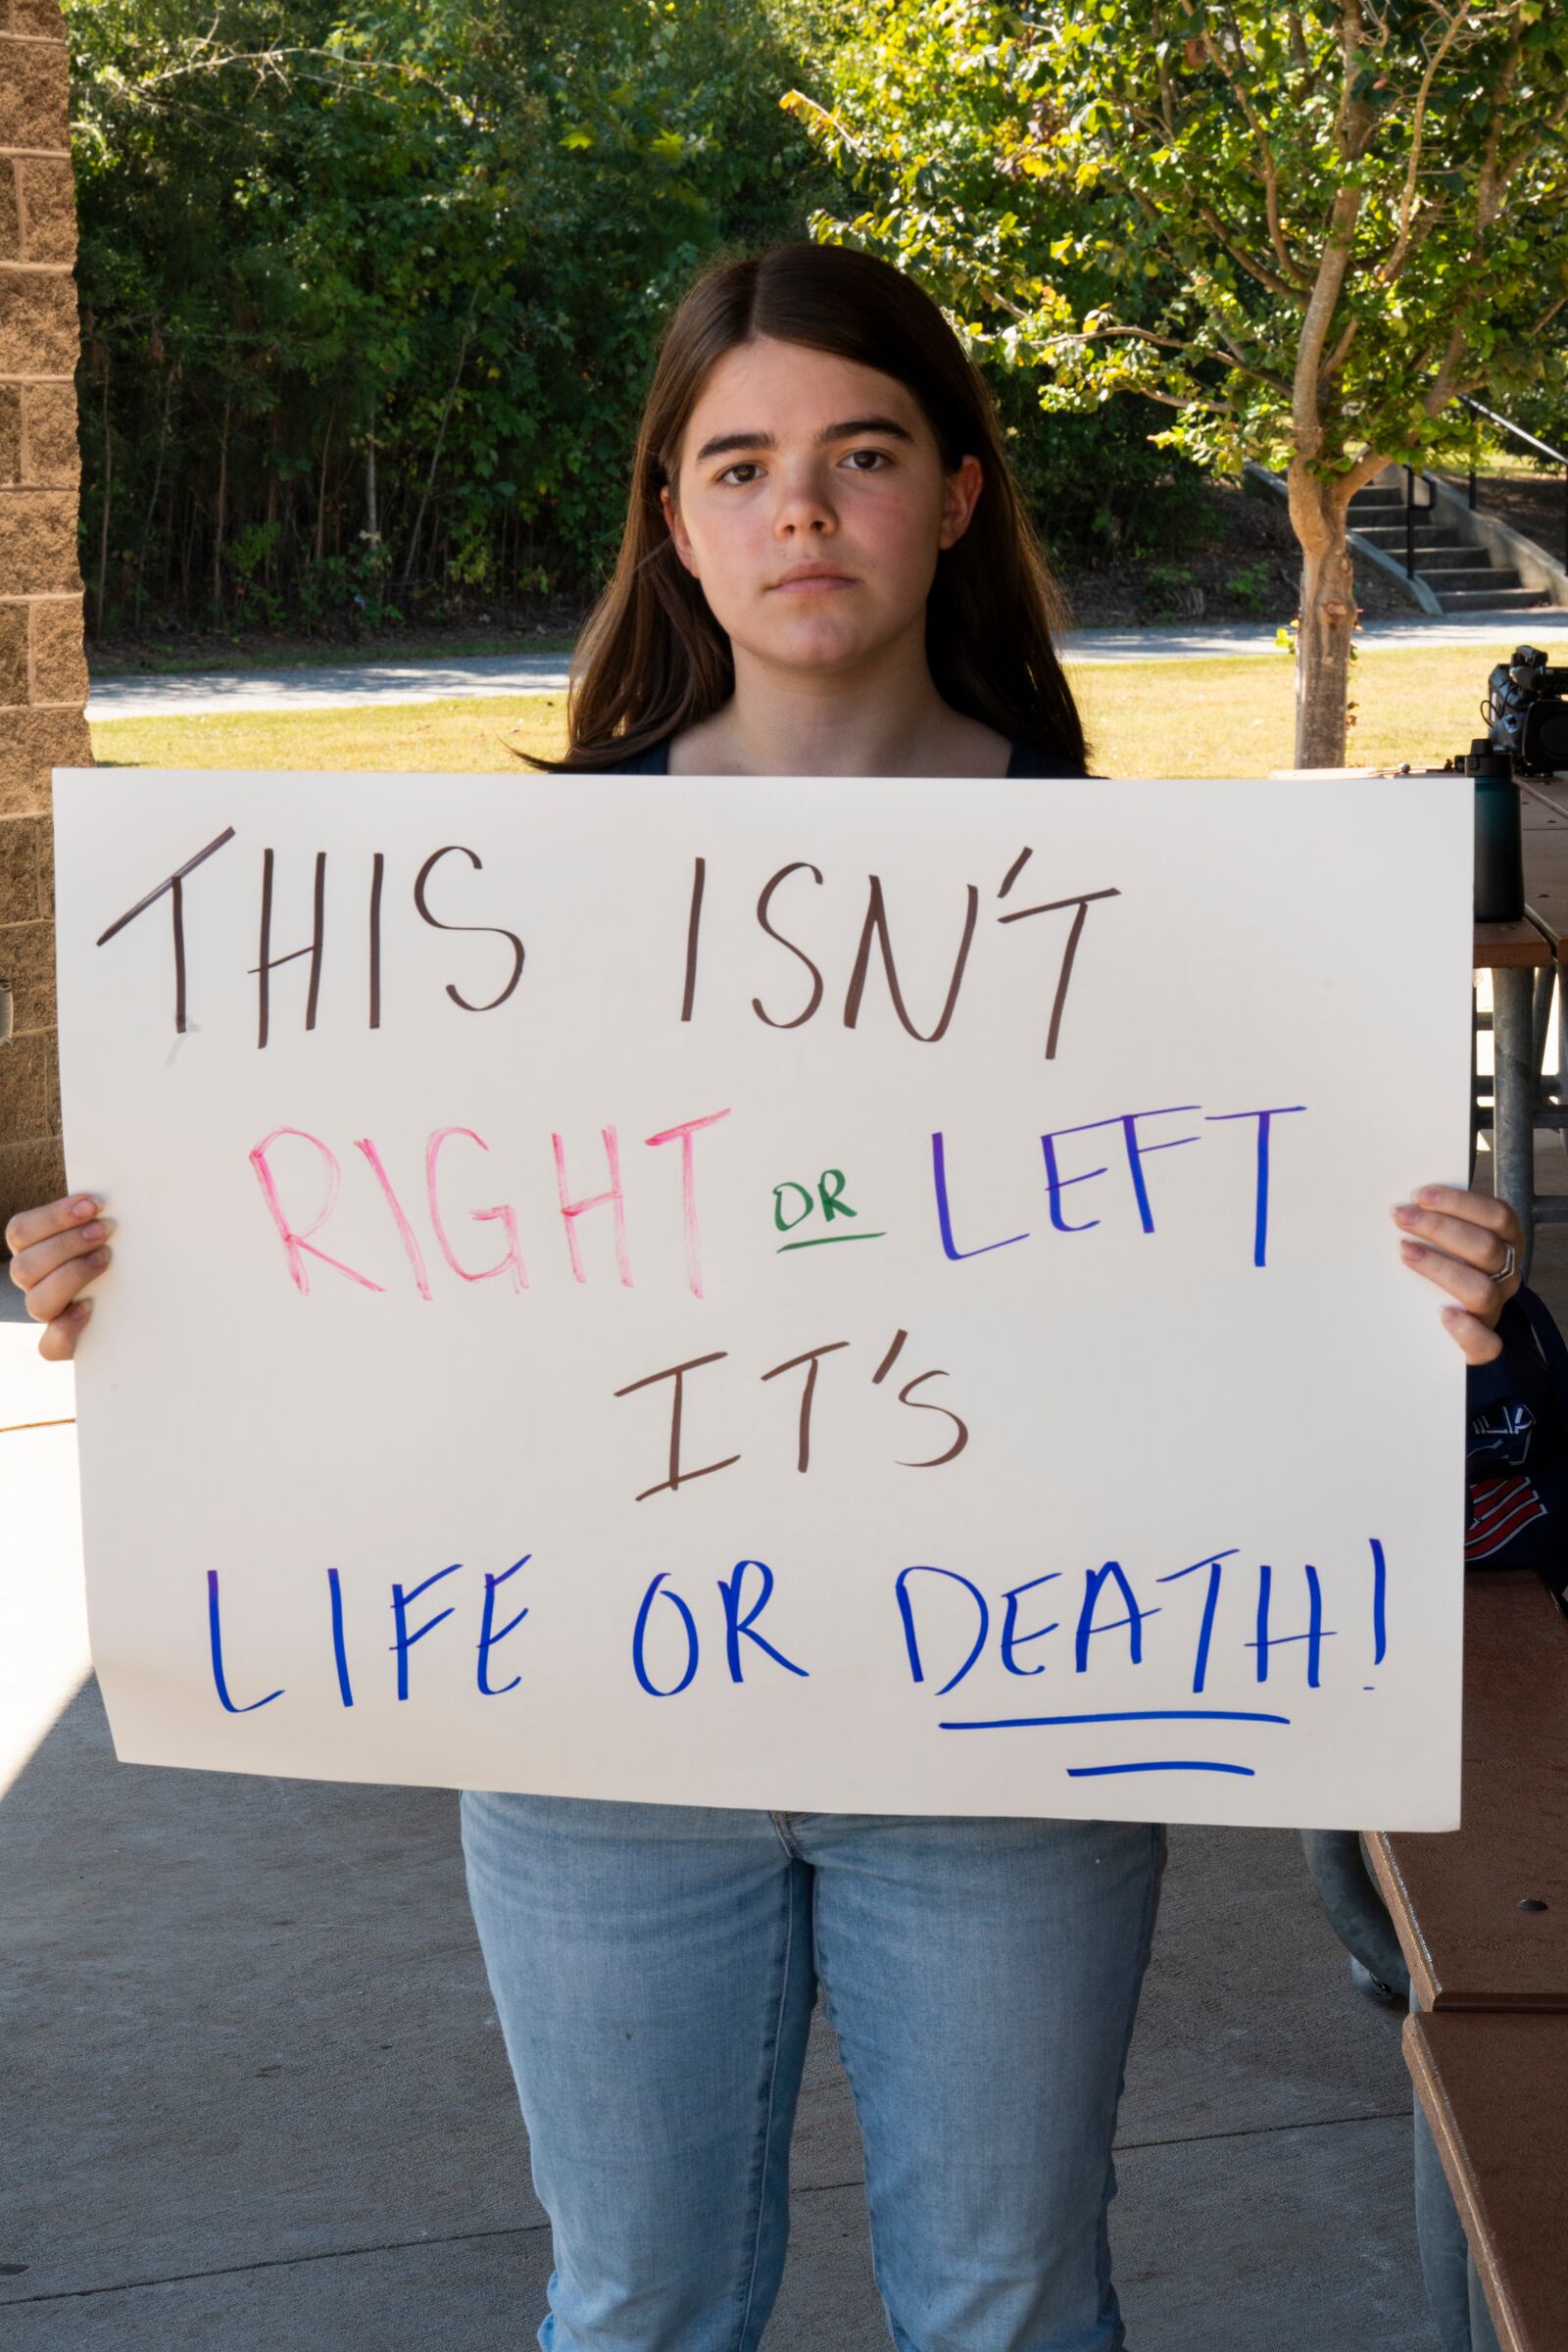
[(1024, 759)]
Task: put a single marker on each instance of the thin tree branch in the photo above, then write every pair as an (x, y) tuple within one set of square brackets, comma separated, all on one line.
[(1187, 351), (1333, 265), (1529, 146), (1270, 174), (1430, 217), (1299, 49), (158, 92), (1243, 260), (1444, 384), (796, 101), (1353, 119), (441, 434), (1341, 351), (1167, 88), (1189, 400), (1390, 269), (1490, 184), (1365, 470)]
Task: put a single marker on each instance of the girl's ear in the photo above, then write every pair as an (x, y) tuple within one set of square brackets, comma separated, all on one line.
[(677, 531), (961, 495)]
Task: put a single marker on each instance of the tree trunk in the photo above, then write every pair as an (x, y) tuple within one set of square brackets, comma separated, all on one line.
[(435, 460), (109, 483), (1329, 615), (221, 518), (321, 494), (187, 557), (152, 503)]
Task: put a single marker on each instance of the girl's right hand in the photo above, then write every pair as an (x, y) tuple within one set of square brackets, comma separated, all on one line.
[(56, 1253)]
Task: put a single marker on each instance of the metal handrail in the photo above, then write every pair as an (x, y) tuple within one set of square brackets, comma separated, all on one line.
[(1542, 448), (1559, 456)]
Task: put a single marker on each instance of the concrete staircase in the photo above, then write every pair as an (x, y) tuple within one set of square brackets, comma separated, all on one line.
[(1462, 574)]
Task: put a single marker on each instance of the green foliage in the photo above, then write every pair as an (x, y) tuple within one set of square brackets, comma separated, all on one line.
[(1251, 585), (371, 292), (371, 287), (1171, 588), (1298, 229), (1095, 481), (1541, 408), (1301, 227)]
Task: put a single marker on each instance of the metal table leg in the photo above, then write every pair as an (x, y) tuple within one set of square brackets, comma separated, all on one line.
[(1356, 1911), (1546, 981), (1454, 2293), (1513, 1119)]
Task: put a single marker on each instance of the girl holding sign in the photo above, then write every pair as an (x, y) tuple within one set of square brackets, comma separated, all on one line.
[(827, 571)]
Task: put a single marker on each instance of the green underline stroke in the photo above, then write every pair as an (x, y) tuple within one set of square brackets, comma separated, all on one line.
[(821, 1241)]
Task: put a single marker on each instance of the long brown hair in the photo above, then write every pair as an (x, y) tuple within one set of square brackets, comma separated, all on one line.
[(653, 661)]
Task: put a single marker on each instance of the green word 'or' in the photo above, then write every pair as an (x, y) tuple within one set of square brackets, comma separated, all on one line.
[(829, 1196)]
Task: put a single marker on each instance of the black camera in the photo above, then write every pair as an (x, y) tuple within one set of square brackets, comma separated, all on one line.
[(1527, 713)]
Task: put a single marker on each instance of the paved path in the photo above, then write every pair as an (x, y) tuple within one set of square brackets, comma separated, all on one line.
[(259, 2101), (331, 686)]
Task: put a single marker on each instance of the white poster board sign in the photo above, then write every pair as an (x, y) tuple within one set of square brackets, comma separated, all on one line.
[(854, 1296)]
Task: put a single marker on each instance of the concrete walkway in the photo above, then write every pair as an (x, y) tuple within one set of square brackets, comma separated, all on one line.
[(331, 686), (256, 2097)]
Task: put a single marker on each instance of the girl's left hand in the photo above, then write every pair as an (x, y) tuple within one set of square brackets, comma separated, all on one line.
[(1461, 1241)]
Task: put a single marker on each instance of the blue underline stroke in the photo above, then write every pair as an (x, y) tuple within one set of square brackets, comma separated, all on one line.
[(1085, 1772), (1024, 1723)]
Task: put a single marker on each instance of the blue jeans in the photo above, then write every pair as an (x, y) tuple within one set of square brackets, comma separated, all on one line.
[(656, 1967)]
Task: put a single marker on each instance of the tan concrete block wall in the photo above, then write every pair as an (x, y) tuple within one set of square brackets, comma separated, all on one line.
[(43, 677)]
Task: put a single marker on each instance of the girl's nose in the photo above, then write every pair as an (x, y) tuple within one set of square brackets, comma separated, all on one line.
[(804, 505)]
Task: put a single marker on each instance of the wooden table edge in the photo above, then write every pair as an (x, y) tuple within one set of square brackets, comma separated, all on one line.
[(1466, 2190), (1429, 1993), (1556, 941), (1508, 948), (1407, 1928)]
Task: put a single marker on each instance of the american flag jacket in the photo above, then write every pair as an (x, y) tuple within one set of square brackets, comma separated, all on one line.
[(1516, 1447)]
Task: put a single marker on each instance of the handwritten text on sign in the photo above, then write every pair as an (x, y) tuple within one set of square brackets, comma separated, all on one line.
[(866, 1295)]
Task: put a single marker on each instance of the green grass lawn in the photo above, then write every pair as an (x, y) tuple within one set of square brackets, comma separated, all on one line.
[(1146, 718), (473, 734)]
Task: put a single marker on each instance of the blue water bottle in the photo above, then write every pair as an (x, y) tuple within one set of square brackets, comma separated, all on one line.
[(1499, 868)]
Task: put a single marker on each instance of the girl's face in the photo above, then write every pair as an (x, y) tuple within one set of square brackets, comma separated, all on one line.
[(811, 504)]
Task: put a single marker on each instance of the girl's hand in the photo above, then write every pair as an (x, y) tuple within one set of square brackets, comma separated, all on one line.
[(1455, 1238), (56, 1253), (1460, 1241)]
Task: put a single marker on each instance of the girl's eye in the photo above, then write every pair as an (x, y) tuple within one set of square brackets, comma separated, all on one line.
[(861, 461)]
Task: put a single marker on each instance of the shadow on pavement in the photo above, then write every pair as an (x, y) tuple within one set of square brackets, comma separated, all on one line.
[(258, 2102)]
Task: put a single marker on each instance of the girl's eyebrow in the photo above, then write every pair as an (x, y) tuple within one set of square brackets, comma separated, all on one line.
[(722, 443)]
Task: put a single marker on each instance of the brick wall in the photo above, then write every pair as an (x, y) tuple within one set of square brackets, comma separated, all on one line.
[(43, 678)]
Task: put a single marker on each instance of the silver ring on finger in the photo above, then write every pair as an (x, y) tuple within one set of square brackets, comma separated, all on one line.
[(1508, 1263)]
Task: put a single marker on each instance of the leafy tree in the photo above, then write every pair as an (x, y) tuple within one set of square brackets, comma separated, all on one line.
[(1302, 230), (372, 289)]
